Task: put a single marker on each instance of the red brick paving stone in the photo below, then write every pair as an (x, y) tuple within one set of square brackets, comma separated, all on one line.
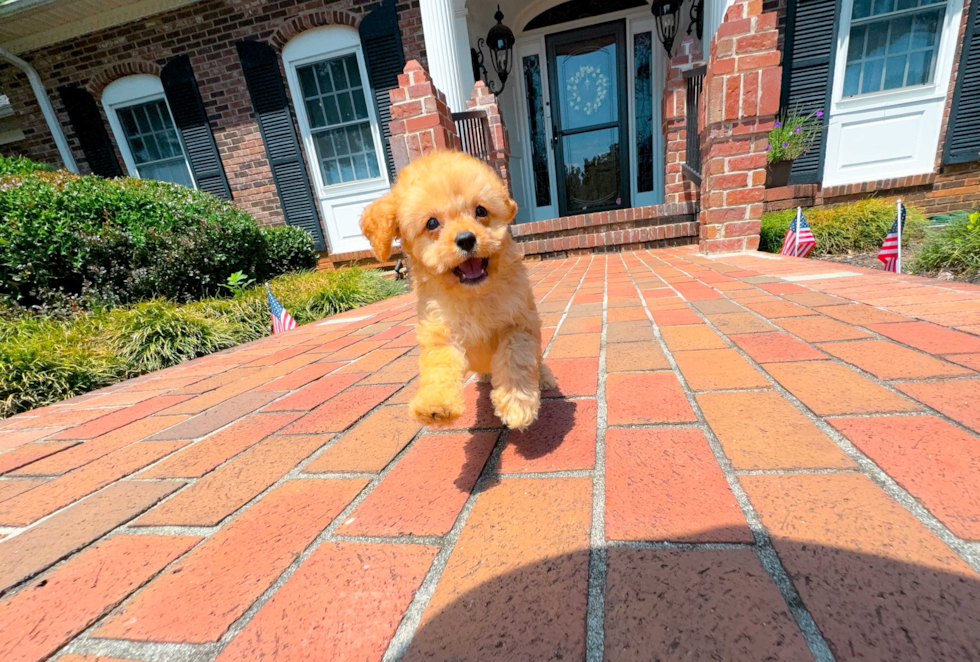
[(216, 381), (968, 360), (300, 377), (956, 399), (830, 389), (197, 599), (782, 288), (775, 347), (44, 617), (629, 332), (635, 357), (765, 431), (815, 299), (343, 410), (405, 394), (279, 356), (394, 332), (582, 297), (646, 398), (777, 309), (334, 345), (211, 451), (562, 439), (515, 585), (937, 463), (582, 325), (219, 416), (665, 484), (715, 369), (862, 314), (906, 595), (626, 314), (585, 310), (738, 613), (370, 445), (356, 351), (657, 293), (697, 336), (425, 491), (315, 394), (229, 487), (56, 417), (740, 323), (675, 317), (929, 337), (343, 603), (62, 491), (821, 329), (22, 455), (11, 488), (10, 440), (581, 345), (697, 291), (33, 550), (77, 456), (887, 360), (399, 371), (574, 376), (374, 361)]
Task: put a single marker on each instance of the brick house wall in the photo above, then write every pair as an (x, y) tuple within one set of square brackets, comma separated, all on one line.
[(206, 31)]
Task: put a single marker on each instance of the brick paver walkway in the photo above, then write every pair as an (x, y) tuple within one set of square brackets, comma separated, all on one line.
[(750, 458)]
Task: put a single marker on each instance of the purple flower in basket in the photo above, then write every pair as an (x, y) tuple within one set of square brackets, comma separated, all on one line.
[(778, 124), (785, 144), (819, 113)]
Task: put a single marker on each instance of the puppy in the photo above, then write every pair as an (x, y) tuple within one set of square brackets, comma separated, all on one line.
[(475, 306)]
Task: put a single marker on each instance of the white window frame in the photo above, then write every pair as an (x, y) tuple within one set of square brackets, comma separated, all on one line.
[(133, 91), (905, 122), (317, 45)]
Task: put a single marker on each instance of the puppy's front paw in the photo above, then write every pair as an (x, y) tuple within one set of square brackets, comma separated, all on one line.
[(515, 408), (547, 378), (435, 406)]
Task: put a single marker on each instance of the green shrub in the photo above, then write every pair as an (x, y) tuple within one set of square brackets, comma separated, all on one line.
[(289, 249), (118, 241), (954, 248), (45, 359), (12, 166), (853, 227)]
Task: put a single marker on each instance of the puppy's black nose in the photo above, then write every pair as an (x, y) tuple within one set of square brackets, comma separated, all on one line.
[(466, 241)]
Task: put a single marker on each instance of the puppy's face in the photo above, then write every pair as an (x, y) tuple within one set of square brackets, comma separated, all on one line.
[(451, 213)]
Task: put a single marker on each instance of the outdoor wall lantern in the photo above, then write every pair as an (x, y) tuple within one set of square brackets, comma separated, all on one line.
[(667, 14), (500, 41), (697, 18)]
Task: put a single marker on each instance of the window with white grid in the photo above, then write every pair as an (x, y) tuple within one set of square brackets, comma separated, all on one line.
[(336, 106), (153, 142), (892, 44)]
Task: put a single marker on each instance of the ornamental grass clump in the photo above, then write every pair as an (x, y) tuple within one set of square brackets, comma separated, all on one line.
[(954, 248), (793, 135)]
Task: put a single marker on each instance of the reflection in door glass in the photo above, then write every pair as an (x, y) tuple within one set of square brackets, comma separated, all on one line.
[(587, 82), (592, 170)]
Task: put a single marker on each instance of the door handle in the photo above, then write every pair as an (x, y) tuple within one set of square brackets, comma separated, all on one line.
[(554, 137)]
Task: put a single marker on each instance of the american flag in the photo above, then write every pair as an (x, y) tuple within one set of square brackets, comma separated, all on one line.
[(799, 239), (891, 251), (281, 319)]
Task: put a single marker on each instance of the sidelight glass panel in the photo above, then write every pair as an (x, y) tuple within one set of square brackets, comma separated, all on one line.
[(537, 129), (643, 92)]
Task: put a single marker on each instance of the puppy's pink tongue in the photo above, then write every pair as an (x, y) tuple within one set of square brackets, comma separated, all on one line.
[(472, 268)]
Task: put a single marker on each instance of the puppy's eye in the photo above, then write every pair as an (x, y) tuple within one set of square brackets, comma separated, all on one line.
[(481, 211), (432, 224)]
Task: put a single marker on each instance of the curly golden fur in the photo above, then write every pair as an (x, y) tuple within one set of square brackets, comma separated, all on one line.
[(470, 318)]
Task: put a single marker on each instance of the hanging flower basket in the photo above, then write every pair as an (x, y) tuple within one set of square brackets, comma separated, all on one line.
[(791, 137), (777, 174)]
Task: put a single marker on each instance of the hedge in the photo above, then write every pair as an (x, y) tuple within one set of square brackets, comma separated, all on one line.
[(853, 227), (85, 242)]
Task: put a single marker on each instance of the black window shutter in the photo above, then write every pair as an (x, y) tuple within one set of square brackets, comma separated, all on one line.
[(261, 67), (808, 73), (90, 131), (382, 45), (963, 134), (186, 106)]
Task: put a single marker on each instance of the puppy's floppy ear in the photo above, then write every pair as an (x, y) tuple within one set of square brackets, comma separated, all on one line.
[(511, 209), (379, 224)]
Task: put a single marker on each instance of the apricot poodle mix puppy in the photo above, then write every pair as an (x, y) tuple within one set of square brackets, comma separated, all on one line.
[(475, 306)]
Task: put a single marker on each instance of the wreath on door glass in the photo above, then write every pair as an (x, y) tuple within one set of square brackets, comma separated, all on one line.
[(587, 77)]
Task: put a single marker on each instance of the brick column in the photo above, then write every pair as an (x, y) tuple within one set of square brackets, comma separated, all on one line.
[(739, 104), (499, 158), (677, 187), (421, 122)]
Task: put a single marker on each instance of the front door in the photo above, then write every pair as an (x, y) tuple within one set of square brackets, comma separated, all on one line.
[(587, 75)]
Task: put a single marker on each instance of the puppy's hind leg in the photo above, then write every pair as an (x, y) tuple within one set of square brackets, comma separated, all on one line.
[(516, 395), (547, 379), (440, 395)]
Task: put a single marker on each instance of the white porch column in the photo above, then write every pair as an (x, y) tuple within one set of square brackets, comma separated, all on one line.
[(442, 48)]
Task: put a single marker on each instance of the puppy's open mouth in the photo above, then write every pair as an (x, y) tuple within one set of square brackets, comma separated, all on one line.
[(473, 271)]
